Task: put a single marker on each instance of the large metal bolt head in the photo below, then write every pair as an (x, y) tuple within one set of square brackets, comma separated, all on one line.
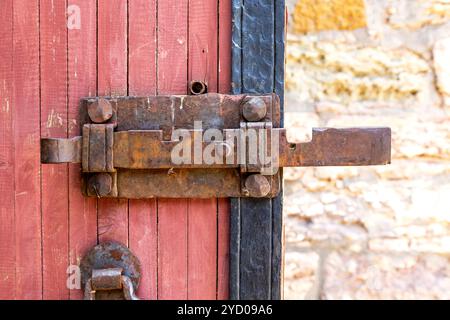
[(254, 109), (100, 184), (100, 111), (257, 185)]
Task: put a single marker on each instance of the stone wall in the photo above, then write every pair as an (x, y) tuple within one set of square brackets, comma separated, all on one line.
[(378, 232)]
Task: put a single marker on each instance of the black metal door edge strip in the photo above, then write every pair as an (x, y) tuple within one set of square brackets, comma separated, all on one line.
[(256, 226)]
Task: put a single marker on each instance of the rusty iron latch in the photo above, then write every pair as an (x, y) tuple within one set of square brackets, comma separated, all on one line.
[(110, 271), (200, 146)]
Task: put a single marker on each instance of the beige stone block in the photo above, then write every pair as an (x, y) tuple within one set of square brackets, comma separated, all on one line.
[(319, 15), (441, 54), (385, 276), (337, 72), (301, 275), (416, 14)]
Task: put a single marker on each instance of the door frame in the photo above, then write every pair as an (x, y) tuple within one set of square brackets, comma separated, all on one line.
[(256, 225)]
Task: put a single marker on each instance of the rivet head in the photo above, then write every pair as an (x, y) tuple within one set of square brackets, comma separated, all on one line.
[(254, 109), (100, 185), (100, 111), (257, 185)]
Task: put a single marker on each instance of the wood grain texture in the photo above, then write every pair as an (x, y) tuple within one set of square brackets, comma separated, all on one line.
[(172, 249), (7, 240), (112, 81), (46, 69), (112, 47), (55, 201), (223, 219), (26, 150), (223, 249), (202, 214), (203, 42), (142, 47), (172, 46), (224, 65), (82, 82), (172, 65), (144, 244), (143, 233), (256, 224), (202, 249)]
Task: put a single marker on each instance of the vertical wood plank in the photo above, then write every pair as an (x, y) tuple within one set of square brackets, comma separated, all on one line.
[(172, 214), (53, 45), (224, 64), (144, 244), (82, 80), (7, 241), (203, 42), (27, 161), (202, 249), (112, 47), (224, 86), (172, 249), (143, 234), (142, 40), (112, 80), (223, 249), (172, 46), (202, 214)]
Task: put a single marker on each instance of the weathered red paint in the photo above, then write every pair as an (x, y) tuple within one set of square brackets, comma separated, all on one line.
[(46, 69), (224, 86), (143, 222), (7, 239), (55, 196), (112, 80), (27, 187), (82, 78)]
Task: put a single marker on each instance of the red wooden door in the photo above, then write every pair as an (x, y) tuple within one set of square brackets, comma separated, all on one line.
[(54, 52)]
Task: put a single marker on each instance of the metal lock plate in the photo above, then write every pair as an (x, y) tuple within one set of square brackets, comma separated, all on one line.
[(224, 146)]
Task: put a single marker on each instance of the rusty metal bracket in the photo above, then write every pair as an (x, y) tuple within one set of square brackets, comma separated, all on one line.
[(110, 271), (224, 146)]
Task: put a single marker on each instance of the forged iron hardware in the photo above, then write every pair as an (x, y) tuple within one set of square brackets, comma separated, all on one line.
[(130, 154), (100, 112), (254, 110), (257, 186), (109, 280), (110, 271)]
